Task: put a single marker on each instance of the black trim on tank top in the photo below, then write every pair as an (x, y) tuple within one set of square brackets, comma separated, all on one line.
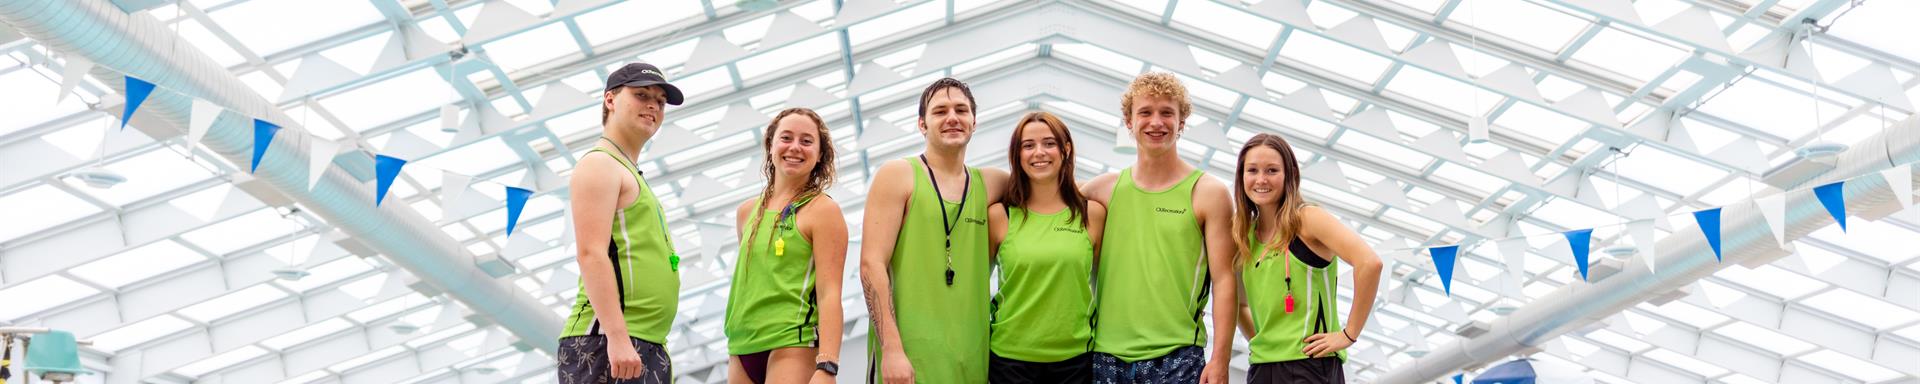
[(1306, 255), (613, 255)]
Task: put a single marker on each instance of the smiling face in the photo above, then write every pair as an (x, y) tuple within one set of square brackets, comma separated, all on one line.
[(636, 110), (948, 121), (1263, 174), (795, 147), (1041, 152), (1155, 122)]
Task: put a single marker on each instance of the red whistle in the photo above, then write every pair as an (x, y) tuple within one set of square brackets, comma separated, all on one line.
[(1289, 303)]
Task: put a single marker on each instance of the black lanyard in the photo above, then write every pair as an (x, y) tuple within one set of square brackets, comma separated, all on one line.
[(942, 203)]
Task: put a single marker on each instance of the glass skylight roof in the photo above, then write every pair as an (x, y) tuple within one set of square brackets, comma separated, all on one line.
[(178, 255)]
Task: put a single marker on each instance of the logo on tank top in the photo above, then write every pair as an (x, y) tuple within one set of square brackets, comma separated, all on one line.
[(974, 221), (1170, 210), (1069, 229)]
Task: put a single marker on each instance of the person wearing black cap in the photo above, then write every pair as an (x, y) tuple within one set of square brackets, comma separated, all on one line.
[(629, 289)]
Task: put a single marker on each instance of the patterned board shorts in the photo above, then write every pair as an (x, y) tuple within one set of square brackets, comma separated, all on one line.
[(583, 360), (1182, 366)]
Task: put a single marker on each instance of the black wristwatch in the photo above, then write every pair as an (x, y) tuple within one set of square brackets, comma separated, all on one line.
[(831, 368)]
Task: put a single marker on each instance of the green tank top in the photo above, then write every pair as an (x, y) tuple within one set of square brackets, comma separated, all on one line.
[(770, 303), (943, 328), (1279, 335), (1043, 310), (1153, 272), (645, 265)]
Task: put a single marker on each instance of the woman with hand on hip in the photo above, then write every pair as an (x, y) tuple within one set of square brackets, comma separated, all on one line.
[(1286, 261)]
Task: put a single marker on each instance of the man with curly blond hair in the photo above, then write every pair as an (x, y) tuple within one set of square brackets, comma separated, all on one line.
[(1167, 243)]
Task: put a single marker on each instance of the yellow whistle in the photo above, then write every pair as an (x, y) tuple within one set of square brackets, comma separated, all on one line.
[(779, 247)]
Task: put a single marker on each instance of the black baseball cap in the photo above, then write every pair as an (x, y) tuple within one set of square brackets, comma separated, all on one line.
[(644, 75)]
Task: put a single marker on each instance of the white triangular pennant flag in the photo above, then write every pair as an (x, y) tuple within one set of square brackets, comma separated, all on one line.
[(713, 50), (1242, 78), (1643, 238), (1374, 121), (1361, 31), (853, 11), (1443, 145), (1901, 180), (879, 131), (809, 96), (406, 145), (672, 138), (1411, 336), (1695, 25), (497, 18), (1309, 101), (72, 75), (788, 27), (1744, 153), (1446, 212), (406, 44), (316, 72), (320, 154), (870, 77), (565, 8), (1514, 80), (712, 237), (539, 178), (204, 114), (742, 117), (1291, 12), (1588, 105), (1618, 9), (1508, 165), (561, 280), (1328, 172), (1644, 208), (559, 98), (522, 244), (1437, 56), (1452, 312), (452, 185), (702, 187), (1208, 133), (1388, 192), (1799, 62), (1514, 252), (1774, 209), (1678, 137), (1876, 82)]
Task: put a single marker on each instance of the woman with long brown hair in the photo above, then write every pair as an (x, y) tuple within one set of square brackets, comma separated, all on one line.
[(783, 309), (1287, 271), (1045, 239)]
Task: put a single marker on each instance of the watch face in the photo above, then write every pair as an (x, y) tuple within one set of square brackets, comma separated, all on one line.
[(830, 368)]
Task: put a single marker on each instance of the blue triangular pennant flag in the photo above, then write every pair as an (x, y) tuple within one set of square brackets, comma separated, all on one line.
[(1835, 202), (262, 135), (137, 91), (1580, 240), (1443, 263), (1709, 220), (386, 168), (516, 199)]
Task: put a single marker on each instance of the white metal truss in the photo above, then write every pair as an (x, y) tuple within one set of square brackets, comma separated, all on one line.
[(1263, 68)]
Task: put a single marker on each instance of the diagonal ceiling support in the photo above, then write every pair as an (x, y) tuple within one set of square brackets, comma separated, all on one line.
[(139, 45), (1685, 259)]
